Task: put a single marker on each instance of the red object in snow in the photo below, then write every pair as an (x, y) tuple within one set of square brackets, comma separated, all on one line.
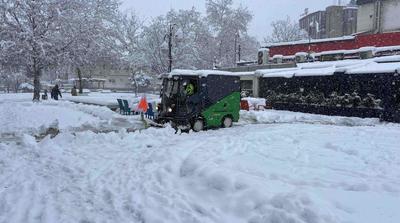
[(143, 106), (244, 105)]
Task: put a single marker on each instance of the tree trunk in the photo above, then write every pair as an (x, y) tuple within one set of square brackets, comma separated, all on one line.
[(136, 88), (16, 86), (79, 73), (136, 84), (36, 85)]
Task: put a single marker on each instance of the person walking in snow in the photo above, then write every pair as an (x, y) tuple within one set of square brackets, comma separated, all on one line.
[(55, 92)]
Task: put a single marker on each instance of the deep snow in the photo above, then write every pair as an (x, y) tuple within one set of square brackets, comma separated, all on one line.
[(272, 166)]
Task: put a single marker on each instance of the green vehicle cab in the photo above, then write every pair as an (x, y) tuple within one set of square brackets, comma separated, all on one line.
[(199, 100)]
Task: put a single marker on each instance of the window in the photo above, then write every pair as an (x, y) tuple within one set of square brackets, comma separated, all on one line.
[(246, 87)]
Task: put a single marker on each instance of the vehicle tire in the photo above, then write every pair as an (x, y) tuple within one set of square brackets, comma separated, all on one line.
[(198, 125), (227, 122), (173, 125)]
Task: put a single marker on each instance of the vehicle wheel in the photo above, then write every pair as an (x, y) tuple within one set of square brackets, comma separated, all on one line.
[(198, 125), (227, 122), (173, 125)]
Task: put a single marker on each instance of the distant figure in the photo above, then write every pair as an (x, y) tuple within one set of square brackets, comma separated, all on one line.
[(74, 92), (44, 95), (55, 92)]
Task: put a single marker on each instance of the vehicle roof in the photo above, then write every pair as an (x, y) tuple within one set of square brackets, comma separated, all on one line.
[(199, 73)]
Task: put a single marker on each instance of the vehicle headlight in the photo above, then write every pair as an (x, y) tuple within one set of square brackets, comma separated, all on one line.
[(169, 109)]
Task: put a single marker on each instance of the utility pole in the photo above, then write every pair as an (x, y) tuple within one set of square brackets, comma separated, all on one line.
[(170, 48), (236, 47), (240, 51), (170, 36)]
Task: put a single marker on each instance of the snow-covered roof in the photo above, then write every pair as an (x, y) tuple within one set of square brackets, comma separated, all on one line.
[(375, 68), (362, 49), (386, 59), (289, 57), (390, 64), (312, 41), (301, 54), (277, 56), (387, 48), (200, 73), (351, 7), (284, 72), (244, 74)]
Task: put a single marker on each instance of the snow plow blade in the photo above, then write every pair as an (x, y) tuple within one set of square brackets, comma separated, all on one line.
[(152, 123)]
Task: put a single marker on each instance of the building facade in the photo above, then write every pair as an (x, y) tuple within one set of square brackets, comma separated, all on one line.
[(106, 77), (314, 24), (378, 16), (335, 21)]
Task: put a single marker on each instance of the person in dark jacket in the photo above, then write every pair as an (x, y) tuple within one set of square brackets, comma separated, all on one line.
[(55, 92)]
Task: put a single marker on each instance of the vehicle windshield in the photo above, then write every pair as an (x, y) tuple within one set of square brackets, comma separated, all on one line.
[(180, 87), (170, 87)]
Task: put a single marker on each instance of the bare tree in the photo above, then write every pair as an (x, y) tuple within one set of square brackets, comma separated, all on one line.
[(192, 42), (285, 31), (129, 29), (41, 34), (91, 35), (140, 80), (31, 30), (227, 24), (11, 80)]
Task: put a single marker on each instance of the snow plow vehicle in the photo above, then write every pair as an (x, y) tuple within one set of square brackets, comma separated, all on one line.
[(198, 100)]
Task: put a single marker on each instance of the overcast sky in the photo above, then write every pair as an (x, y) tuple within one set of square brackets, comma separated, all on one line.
[(264, 11)]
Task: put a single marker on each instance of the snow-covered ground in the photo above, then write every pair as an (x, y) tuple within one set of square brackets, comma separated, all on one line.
[(272, 166)]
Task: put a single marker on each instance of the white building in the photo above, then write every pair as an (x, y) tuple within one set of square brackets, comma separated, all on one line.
[(108, 77)]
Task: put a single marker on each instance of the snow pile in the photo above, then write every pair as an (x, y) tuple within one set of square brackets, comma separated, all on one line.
[(274, 116), (27, 116), (256, 103), (33, 118)]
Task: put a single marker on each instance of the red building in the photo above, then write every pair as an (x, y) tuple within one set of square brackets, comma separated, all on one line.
[(340, 43)]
